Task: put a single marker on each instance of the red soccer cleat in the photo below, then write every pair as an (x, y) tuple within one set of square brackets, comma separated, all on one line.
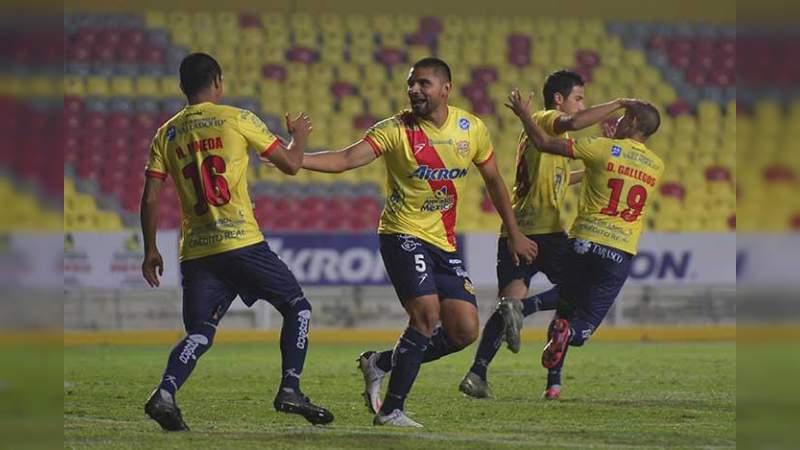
[(556, 344), (552, 393)]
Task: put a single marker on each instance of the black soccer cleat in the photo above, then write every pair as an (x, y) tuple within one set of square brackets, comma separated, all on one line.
[(161, 407), (293, 402)]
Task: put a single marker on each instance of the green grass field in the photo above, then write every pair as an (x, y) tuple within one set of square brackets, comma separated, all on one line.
[(616, 395)]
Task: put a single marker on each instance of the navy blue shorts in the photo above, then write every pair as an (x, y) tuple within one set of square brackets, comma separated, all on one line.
[(551, 260), (418, 268), (210, 284), (595, 276)]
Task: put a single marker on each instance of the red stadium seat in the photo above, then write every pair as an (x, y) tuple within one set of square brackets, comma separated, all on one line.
[(391, 56), (341, 89), (249, 20), (364, 121), (718, 173), (485, 74), (673, 189), (302, 55), (274, 72), (778, 174)]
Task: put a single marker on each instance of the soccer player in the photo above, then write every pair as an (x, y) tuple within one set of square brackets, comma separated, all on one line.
[(428, 152), (204, 148), (539, 190), (621, 177)]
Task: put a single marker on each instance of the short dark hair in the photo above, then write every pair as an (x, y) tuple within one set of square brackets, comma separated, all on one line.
[(647, 118), (436, 64), (198, 71), (561, 81)]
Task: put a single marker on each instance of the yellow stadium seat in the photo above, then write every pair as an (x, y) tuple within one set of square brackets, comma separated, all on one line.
[(97, 85), (74, 86), (121, 87)]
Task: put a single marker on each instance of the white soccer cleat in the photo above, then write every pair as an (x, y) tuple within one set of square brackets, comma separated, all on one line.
[(373, 377), (396, 418)]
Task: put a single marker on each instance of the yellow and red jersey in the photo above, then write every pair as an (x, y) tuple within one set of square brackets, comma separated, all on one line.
[(427, 170), (204, 148), (541, 181), (620, 180)]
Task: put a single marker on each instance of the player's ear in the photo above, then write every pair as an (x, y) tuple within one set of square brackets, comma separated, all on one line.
[(558, 99)]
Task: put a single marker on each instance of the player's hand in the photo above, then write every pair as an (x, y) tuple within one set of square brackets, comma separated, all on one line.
[(609, 128), (520, 107), (629, 102), (301, 126), (152, 267), (522, 249)]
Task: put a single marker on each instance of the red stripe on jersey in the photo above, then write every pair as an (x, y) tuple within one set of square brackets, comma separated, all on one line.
[(268, 151), (427, 156), (155, 174), (375, 147), (491, 157)]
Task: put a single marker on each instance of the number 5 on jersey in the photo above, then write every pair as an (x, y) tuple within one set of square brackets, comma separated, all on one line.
[(210, 186)]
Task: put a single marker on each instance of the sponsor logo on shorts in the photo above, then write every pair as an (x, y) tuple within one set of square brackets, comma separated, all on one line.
[(468, 287), (582, 246), (461, 272), (410, 243)]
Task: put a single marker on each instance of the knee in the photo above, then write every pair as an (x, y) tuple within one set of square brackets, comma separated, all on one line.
[(425, 321), (463, 337), (295, 307), (200, 337), (580, 337)]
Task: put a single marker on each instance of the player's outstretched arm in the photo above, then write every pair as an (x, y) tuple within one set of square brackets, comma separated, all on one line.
[(359, 154), (520, 246), (153, 264), (535, 133), (589, 116), (288, 158)]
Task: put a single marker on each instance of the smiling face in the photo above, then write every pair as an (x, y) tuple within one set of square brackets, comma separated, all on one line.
[(427, 90), (573, 103)]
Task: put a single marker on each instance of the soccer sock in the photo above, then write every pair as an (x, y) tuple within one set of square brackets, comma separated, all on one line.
[(544, 301), (491, 340), (407, 359), (184, 356), (294, 340), (439, 346), (554, 374), (384, 361)]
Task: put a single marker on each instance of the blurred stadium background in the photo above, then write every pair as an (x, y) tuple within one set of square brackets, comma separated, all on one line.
[(347, 69)]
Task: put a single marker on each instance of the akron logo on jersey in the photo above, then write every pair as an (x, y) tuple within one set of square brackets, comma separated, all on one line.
[(582, 246), (616, 150)]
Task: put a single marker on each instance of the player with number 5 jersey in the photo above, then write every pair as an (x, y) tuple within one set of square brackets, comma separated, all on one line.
[(429, 151), (621, 177), (204, 149)]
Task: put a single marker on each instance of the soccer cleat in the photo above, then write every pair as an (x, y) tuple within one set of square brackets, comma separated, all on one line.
[(476, 387), (511, 311), (552, 393), (294, 402), (556, 344), (396, 418), (373, 376), (161, 407)]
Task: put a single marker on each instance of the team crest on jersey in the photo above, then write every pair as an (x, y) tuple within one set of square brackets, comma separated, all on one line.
[(462, 147), (463, 124), (582, 246), (616, 150), (171, 133)]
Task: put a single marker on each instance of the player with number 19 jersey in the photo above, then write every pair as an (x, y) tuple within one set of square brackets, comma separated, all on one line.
[(204, 149), (621, 175)]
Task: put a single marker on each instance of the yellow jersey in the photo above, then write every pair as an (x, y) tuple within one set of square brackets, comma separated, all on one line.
[(427, 170), (204, 148), (620, 180), (541, 182)]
